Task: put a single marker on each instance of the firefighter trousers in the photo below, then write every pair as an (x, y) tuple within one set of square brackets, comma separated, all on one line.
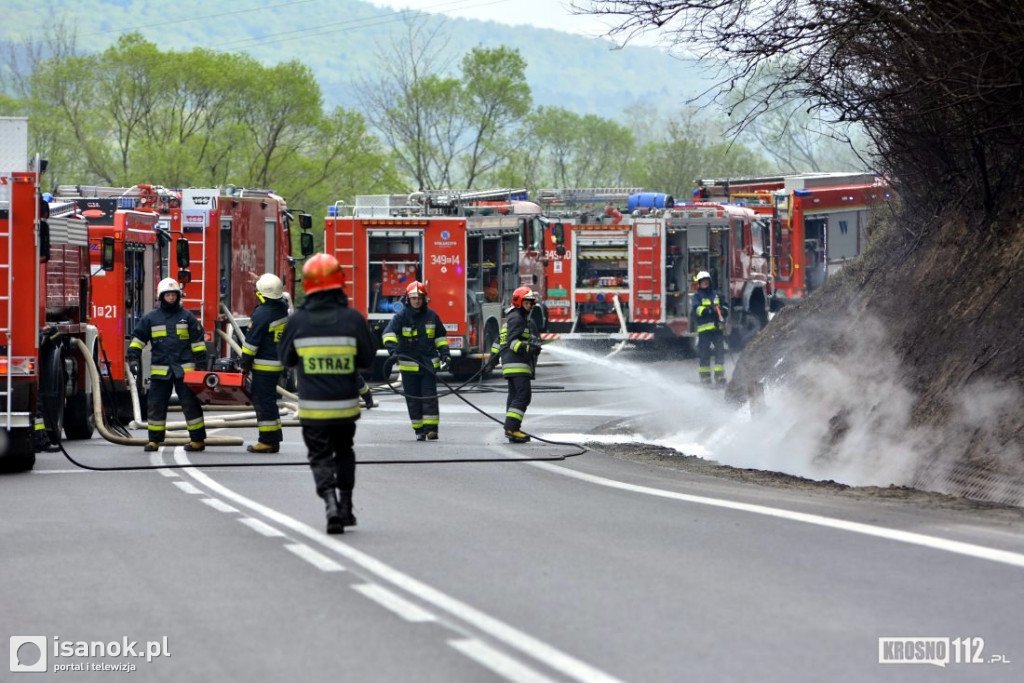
[(520, 392), (156, 410), (705, 340), (420, 389), (331, 455), (264, 400)]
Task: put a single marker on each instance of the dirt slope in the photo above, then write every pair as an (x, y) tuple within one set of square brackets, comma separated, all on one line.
[(922, 336)]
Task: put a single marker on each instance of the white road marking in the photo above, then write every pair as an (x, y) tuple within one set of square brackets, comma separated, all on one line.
[(219, 505), (498, 662), (509, 635), (395, 603), (969, 549), (187, 488), (260, 526), (318, 560)]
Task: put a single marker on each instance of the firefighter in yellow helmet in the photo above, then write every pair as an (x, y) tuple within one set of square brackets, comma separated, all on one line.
[(260, 360), (329, 343), (710, 315), (177, 345)]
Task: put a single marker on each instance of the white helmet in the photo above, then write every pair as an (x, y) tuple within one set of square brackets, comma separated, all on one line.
[(168, 284), (270, 286), (702, 275)]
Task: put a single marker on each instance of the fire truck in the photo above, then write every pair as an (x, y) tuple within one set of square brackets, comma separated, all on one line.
[(627, 273), (464, 245), (44, 300), (819, 223), (129, 237)]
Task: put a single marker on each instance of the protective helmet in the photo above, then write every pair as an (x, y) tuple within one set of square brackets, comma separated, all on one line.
[(270, 286), (702, 275), (416, 288), (168, 284), (523, 294), (321, 274)]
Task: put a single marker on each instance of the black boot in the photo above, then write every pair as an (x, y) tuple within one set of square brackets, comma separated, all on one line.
[(334, 521), (345, 509)]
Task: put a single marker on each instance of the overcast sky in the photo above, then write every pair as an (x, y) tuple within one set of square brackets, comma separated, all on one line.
[(553, 14)]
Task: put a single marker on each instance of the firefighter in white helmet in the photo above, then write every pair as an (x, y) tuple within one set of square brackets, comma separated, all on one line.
[(710, 315), (261, 361), (177, 345)]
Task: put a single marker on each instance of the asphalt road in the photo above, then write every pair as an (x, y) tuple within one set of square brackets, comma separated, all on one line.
[(594, 568)]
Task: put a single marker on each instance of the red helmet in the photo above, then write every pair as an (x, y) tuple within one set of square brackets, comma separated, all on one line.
[(416, 288), (322, 273), (523, 294)]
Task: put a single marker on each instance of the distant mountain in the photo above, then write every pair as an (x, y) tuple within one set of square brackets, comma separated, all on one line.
[(339, 39)]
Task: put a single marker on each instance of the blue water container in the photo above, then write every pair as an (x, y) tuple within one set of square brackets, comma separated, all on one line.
[(650, 200)]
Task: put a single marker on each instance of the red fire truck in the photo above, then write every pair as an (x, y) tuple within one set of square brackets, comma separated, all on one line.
[(819, 222), (617, 276), (44, 285), (129, 234), (466, 252)]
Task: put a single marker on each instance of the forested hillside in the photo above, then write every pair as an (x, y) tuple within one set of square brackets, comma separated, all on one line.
[(342, 39)]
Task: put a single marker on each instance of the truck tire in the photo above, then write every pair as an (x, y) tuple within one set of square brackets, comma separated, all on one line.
[(79, 422), (51, 392), (18, 453)]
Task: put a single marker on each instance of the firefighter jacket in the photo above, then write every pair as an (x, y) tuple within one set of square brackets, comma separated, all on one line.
[(704, 303), (259, 351), (518, 344), (417, 334), (328, 342), (176, 339)]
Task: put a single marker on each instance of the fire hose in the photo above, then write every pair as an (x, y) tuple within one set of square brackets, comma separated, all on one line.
[(97, 410)]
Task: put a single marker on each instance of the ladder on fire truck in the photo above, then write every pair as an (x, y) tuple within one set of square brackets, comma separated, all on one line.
[(7, 278), (587, 195)]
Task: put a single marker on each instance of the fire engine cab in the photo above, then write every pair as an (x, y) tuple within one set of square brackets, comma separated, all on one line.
[(819, 222), (464, 245)]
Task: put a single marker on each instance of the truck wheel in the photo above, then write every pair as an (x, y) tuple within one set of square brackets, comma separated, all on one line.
[(51, 393), (79, 422), (17, 450)]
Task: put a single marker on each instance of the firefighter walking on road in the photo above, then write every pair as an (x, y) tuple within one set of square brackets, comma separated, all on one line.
[(177, 345), (260, 360), (519, 345), (710, 314), (417, 338), (329, 343)]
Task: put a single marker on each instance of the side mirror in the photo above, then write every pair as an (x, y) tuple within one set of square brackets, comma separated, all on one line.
[(305, 221), (182, 251), (107, 254), (306, 244), (184, 276), (44, 242), (558, 232)]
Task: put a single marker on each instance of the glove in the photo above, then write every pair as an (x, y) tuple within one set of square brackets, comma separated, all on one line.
[(389, 365), (201, 361), (368, 399), (134, 367), (446, 364), (536, 345)]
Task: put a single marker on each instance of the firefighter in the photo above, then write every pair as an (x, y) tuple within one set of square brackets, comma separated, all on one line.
[(177, 345), (329, 343), (518, 345), (260, 360), (416, 338), (710, 314)]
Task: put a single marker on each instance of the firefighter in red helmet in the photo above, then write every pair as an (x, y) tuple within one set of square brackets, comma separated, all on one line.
[(329, 343), (519, 345), (417, 338)]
